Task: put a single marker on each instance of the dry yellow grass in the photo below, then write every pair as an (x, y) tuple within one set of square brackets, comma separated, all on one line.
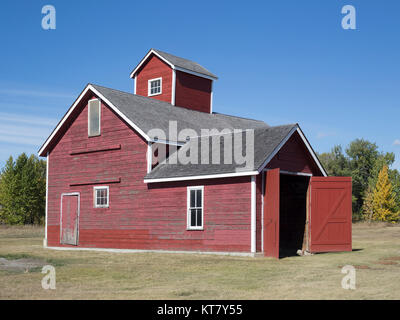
[(98, 275)]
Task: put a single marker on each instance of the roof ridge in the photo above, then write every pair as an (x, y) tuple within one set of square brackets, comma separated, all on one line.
[(174, 106), (177, 62), (238, 117), (232, 131), (175, 56), (284, 125)]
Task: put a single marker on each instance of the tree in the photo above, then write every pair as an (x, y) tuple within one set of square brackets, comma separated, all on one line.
[(362, 156), (23, 190), (8, 187), (368, 205), (384, 199), (335, 162), (363, 162)]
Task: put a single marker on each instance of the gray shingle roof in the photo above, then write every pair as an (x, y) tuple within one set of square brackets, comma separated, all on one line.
[(148, 114), (266, 141), (185, 63)]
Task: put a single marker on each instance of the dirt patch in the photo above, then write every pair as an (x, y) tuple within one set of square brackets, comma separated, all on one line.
[(21, 265), (361, 267), (391, 258), (385, 262), (357, 267)]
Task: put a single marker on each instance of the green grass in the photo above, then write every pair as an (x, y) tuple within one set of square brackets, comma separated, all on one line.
[(102, 275)]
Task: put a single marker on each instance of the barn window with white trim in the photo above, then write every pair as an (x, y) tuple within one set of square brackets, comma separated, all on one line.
[(94, 118), (101, 197), (195, 214), (154, 87)]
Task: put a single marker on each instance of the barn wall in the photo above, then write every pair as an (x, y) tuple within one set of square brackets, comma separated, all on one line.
[(140, 216), (155, 68), (295, 157), (193, 92)]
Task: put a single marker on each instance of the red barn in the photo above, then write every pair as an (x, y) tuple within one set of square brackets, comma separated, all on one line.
[(159, 170)]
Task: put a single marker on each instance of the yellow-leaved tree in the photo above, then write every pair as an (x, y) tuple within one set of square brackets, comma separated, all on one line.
[(368, 205), (384, 203)]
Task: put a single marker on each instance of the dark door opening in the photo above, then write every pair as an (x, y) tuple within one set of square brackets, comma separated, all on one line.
[(292, 215)]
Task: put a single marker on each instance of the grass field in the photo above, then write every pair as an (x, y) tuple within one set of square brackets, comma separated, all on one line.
[(98, 275)]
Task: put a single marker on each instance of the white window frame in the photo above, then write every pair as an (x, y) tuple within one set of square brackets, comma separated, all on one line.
[(95, 196), (188, 215), (149, 87), (94, 135)]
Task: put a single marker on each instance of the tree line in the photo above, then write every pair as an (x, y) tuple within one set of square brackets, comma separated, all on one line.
[(23, 191), (376, 186)]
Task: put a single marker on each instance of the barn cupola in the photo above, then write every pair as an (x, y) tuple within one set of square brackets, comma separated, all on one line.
[(181, 82)]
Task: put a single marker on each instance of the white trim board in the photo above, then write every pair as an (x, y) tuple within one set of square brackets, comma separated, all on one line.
[(211, 98), (173, 89), (253, 214), (222, 253), (149, 157), (262, 209), (310, 149), (77, 101), (174, 143), (134, 84), (210, 176), (47, 199)]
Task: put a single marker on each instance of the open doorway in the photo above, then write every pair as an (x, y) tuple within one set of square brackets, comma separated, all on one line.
[(292, 215)]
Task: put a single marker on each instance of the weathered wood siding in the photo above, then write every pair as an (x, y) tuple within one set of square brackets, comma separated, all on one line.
[(140, 216), (193, 92), (294, 157), (155, 68)]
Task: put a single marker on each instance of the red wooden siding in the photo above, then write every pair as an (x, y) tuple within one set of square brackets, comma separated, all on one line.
[(140, 216), (295, 157), (193, 92), (153, 68), (271, 213), (330, 214)]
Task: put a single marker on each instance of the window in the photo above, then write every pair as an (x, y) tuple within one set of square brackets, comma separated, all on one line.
[(94, 118), (101, 197), (154, 87), (195, 208)]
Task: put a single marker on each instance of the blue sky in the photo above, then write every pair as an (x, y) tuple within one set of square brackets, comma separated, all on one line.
[(278, 61)]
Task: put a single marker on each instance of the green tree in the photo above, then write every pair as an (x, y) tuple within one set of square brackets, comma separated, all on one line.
[(335, 162), (362, 156), (363, 162), (23, 190)]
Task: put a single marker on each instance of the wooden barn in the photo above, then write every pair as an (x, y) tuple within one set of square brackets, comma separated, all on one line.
[(112, 184)]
